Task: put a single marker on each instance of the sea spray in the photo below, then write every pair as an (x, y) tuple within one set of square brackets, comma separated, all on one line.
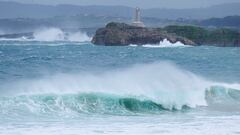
[(162, 83), (56, 34), (163, 44), (78, 37), (51, 35)]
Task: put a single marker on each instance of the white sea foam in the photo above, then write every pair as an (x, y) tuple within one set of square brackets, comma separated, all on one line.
[(163, 44), (186, 124), (15, 39)]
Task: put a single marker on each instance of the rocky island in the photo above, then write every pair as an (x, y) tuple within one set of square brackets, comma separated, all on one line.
[(117, 34), (121, 34)]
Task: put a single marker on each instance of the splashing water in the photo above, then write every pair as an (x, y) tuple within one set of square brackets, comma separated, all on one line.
[(55, 34), (164, 44), (49, 34), (52, 35)]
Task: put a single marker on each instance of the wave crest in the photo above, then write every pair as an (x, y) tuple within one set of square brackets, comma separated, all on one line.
[(143, 88), (77, 104), (222, 98), (162, 83)]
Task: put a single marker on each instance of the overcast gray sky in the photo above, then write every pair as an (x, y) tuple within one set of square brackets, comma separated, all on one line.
[(134, 3)]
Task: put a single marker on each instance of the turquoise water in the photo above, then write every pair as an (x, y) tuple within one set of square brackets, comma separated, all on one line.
[(71, 88)]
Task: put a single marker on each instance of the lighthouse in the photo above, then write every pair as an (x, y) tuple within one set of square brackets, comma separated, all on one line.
[(137, 19)]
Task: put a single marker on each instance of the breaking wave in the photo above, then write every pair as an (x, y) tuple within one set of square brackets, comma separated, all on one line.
[(164, 44), (52, 35), (55, 34), (146, 88), (223, 98), (84, 103)]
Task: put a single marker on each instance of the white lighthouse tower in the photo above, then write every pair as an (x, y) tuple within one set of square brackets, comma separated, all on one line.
[(137, 19)]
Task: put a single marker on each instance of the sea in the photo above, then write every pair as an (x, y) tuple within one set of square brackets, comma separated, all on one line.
[(71, 87)]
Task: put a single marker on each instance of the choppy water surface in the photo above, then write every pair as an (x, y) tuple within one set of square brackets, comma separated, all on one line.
[(73, 88)]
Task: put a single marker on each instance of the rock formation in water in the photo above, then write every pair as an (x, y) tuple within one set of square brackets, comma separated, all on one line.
[(119, 34)]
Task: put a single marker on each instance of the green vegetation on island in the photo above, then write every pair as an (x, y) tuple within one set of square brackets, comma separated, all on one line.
[(202, 36)]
